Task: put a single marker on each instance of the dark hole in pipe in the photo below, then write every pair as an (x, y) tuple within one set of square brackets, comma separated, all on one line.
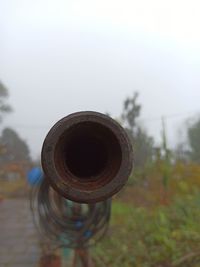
[(88, 151), (86, 156)]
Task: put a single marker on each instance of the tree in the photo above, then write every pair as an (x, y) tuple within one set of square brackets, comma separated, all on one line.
[(4, 107), (16, 149), (142, 143), (181, 153), (143, 147), (193, 134), (131, 112)]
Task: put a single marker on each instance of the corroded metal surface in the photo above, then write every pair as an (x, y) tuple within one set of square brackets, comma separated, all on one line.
[(87, 157)]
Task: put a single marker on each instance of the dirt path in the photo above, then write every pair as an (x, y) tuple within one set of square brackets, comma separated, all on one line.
[(18, 239)]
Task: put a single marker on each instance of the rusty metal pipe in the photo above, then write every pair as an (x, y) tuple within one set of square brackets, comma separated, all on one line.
[(87, 157)]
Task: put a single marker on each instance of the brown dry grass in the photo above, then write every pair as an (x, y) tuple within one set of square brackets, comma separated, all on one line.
[(13, 189)]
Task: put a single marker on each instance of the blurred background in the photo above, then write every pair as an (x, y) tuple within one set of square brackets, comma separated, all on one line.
[(136, 61)]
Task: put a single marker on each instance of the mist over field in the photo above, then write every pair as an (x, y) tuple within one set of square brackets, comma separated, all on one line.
[(103, 193), (58, 57)]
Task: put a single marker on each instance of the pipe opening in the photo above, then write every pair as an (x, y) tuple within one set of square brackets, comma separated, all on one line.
[(88, 151), (86, 156)]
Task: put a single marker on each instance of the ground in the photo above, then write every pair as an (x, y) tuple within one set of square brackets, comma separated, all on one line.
[(19, 245)]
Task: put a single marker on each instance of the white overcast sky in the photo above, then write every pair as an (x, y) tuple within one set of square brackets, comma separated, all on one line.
[(58, 57)]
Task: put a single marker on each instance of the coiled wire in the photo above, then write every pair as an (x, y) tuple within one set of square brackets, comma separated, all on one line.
[(64, 223)]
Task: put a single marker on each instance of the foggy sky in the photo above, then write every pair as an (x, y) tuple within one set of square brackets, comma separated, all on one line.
[(58, 57)]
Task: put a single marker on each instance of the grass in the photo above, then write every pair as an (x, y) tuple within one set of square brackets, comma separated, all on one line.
[(145, 232), (166, 236), (16, 188), (155, 235)]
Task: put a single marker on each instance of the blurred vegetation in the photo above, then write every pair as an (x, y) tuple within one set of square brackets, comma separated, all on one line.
[(4, 106), (147, 232), (15, 188), (142, 143), (15, 149), (194, 140), (15, 157), (156, 218)]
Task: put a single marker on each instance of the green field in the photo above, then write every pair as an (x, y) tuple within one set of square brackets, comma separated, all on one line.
[(147, 231)]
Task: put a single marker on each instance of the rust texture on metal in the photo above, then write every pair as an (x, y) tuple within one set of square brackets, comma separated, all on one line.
[(87, 157)]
